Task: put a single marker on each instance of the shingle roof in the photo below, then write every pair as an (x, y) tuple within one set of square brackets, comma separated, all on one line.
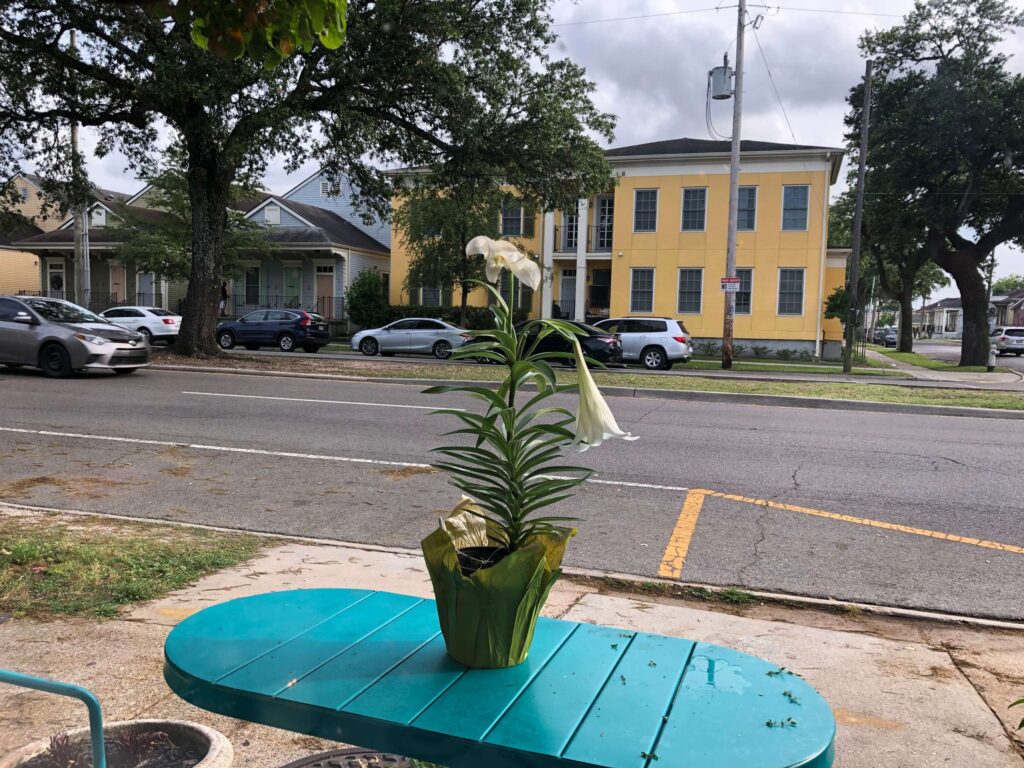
[(14, 227), (99, 235), (328, 227), (102, 195), (952, 303), (685, 146)]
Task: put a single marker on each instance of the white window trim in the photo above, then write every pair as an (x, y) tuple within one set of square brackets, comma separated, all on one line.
[(757, 206), (682, 212), (778, 293), (330, 188), (679, 274), (654, 284), (657, 205), (240, 282), (266, 215), (751, 312), (782, 209)]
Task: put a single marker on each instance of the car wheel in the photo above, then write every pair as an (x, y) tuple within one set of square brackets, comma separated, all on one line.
[(55, 361), (311, 349), (147, 335), (653, 358), (1018, 354), (442, 350), (125, 371), (667, 366), (226, 340), (286, 343), (369, 347)]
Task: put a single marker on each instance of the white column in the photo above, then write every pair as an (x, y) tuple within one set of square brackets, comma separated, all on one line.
[(581, 261), (547, 265)]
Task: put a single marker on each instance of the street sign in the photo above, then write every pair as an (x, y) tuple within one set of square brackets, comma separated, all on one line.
[(731, 284)]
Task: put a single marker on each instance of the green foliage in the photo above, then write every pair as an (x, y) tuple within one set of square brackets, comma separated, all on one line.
[(785, 354), (739, 349), (516, 448), (806, 355), (709, 348), (760, 351), (1019, 703), (886, 319), (265, 32), (476, 317), (1004, 285), (367, 305), (837, 305)]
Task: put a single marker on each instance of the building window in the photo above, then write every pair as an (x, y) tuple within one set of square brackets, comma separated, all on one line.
[(745, 293), (511, 219), (695, 203), (794, 207), (691, 282), (329, 188), (791, 291), (600, 291), (252, 285), (571, 234), (645, 210), (430, 297), (747, 213), (23, 194), (641, 297), (99, 217), (272, 214)]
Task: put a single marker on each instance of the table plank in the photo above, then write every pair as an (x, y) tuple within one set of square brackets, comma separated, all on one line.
[(623, 725), (720, 716), (470, 707), (293, 662)]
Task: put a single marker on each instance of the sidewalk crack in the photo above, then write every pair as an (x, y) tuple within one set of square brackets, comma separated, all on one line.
[(1011, 737)]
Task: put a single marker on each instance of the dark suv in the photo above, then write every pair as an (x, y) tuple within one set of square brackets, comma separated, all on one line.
[(286, 329), (600, 345)]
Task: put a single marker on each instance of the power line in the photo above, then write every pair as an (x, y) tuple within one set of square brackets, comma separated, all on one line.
[(723, 7), (775, 88)]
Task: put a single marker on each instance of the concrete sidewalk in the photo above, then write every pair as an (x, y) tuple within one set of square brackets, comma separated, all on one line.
[(906, 694), (1003, 380)]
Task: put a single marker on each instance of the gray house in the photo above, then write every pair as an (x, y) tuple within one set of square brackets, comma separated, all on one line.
[(338, 197)]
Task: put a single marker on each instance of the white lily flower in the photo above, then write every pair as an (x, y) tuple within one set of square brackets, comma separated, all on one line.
[(594, 420), (501, 254)]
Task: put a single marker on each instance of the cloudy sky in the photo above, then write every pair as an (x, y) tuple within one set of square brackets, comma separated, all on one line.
[(649, 60)]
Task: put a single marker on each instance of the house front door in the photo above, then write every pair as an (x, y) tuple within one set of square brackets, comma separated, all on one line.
[(567, 294), (325, 289), (146, 284), (118, 288), (293, 287)]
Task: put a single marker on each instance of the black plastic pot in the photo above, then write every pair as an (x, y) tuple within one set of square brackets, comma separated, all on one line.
[(473, 559)]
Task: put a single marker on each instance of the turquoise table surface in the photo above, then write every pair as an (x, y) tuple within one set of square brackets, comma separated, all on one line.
[(370, 669)]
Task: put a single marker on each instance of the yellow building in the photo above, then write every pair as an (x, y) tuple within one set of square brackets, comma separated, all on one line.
[(19, 270), (654, 246)]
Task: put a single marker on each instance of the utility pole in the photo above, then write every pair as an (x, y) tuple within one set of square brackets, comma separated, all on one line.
[(858, 213), (734, 183), (79, 217)]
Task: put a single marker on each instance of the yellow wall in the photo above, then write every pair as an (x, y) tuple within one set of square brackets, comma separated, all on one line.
[(32, 207), (19, 271), (767, 249)]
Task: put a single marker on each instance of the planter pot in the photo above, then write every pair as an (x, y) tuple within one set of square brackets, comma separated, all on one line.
[(488, 617), (217, 749)]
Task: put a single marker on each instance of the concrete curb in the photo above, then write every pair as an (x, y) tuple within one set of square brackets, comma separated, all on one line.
[(611, 579), (734, 398)]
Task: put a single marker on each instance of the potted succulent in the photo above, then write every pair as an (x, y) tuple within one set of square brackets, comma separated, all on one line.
[(132, 744), (494, 559)]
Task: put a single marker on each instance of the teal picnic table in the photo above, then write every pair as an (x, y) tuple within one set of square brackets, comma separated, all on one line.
[(370, 669)]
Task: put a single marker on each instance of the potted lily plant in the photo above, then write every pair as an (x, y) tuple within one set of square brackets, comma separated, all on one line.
[(494, 559)]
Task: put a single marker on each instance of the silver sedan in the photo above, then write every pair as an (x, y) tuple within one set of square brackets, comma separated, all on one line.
[(413, 335)]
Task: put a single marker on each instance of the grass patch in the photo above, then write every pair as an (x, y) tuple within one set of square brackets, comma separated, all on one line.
[(768, 366), (94, 568)]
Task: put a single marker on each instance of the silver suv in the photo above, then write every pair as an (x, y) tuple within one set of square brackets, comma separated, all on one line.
[(655, 342), (61, 338), (1008, 339)]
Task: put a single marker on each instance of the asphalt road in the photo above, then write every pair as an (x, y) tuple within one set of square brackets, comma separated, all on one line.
[(868, 499)]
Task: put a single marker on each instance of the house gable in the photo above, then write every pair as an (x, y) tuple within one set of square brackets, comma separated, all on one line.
[(319, 192)]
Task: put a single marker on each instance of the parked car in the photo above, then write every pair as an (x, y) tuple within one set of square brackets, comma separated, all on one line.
[(412, 335), (61, 338), (878, 337), (892, 338), (599, 344), (655, 342), (286, 329), (1008, 339), (154, 323)]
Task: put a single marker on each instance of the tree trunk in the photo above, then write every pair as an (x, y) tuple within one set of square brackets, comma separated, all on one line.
[(906, 300), (463, 304), (966, 271), (209, 185)]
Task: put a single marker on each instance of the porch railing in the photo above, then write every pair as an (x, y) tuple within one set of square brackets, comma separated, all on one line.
[(236, 306), (599, 238)]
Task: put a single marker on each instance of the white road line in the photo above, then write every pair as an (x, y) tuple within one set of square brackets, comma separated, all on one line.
[(311, 400), (293, 455)]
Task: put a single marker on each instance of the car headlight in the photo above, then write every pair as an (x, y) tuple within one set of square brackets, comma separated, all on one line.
[(98, 340)]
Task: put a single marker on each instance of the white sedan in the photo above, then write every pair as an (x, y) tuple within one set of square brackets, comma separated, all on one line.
[(152, 322)]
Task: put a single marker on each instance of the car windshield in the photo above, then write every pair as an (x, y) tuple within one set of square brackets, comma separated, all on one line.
[(64, 312), (159, 312)]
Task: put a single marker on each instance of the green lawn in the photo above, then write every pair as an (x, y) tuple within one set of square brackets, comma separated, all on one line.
[(95, 567), (772, 366)]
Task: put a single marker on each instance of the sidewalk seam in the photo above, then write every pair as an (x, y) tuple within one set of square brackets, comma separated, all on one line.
[(1011, 737)]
